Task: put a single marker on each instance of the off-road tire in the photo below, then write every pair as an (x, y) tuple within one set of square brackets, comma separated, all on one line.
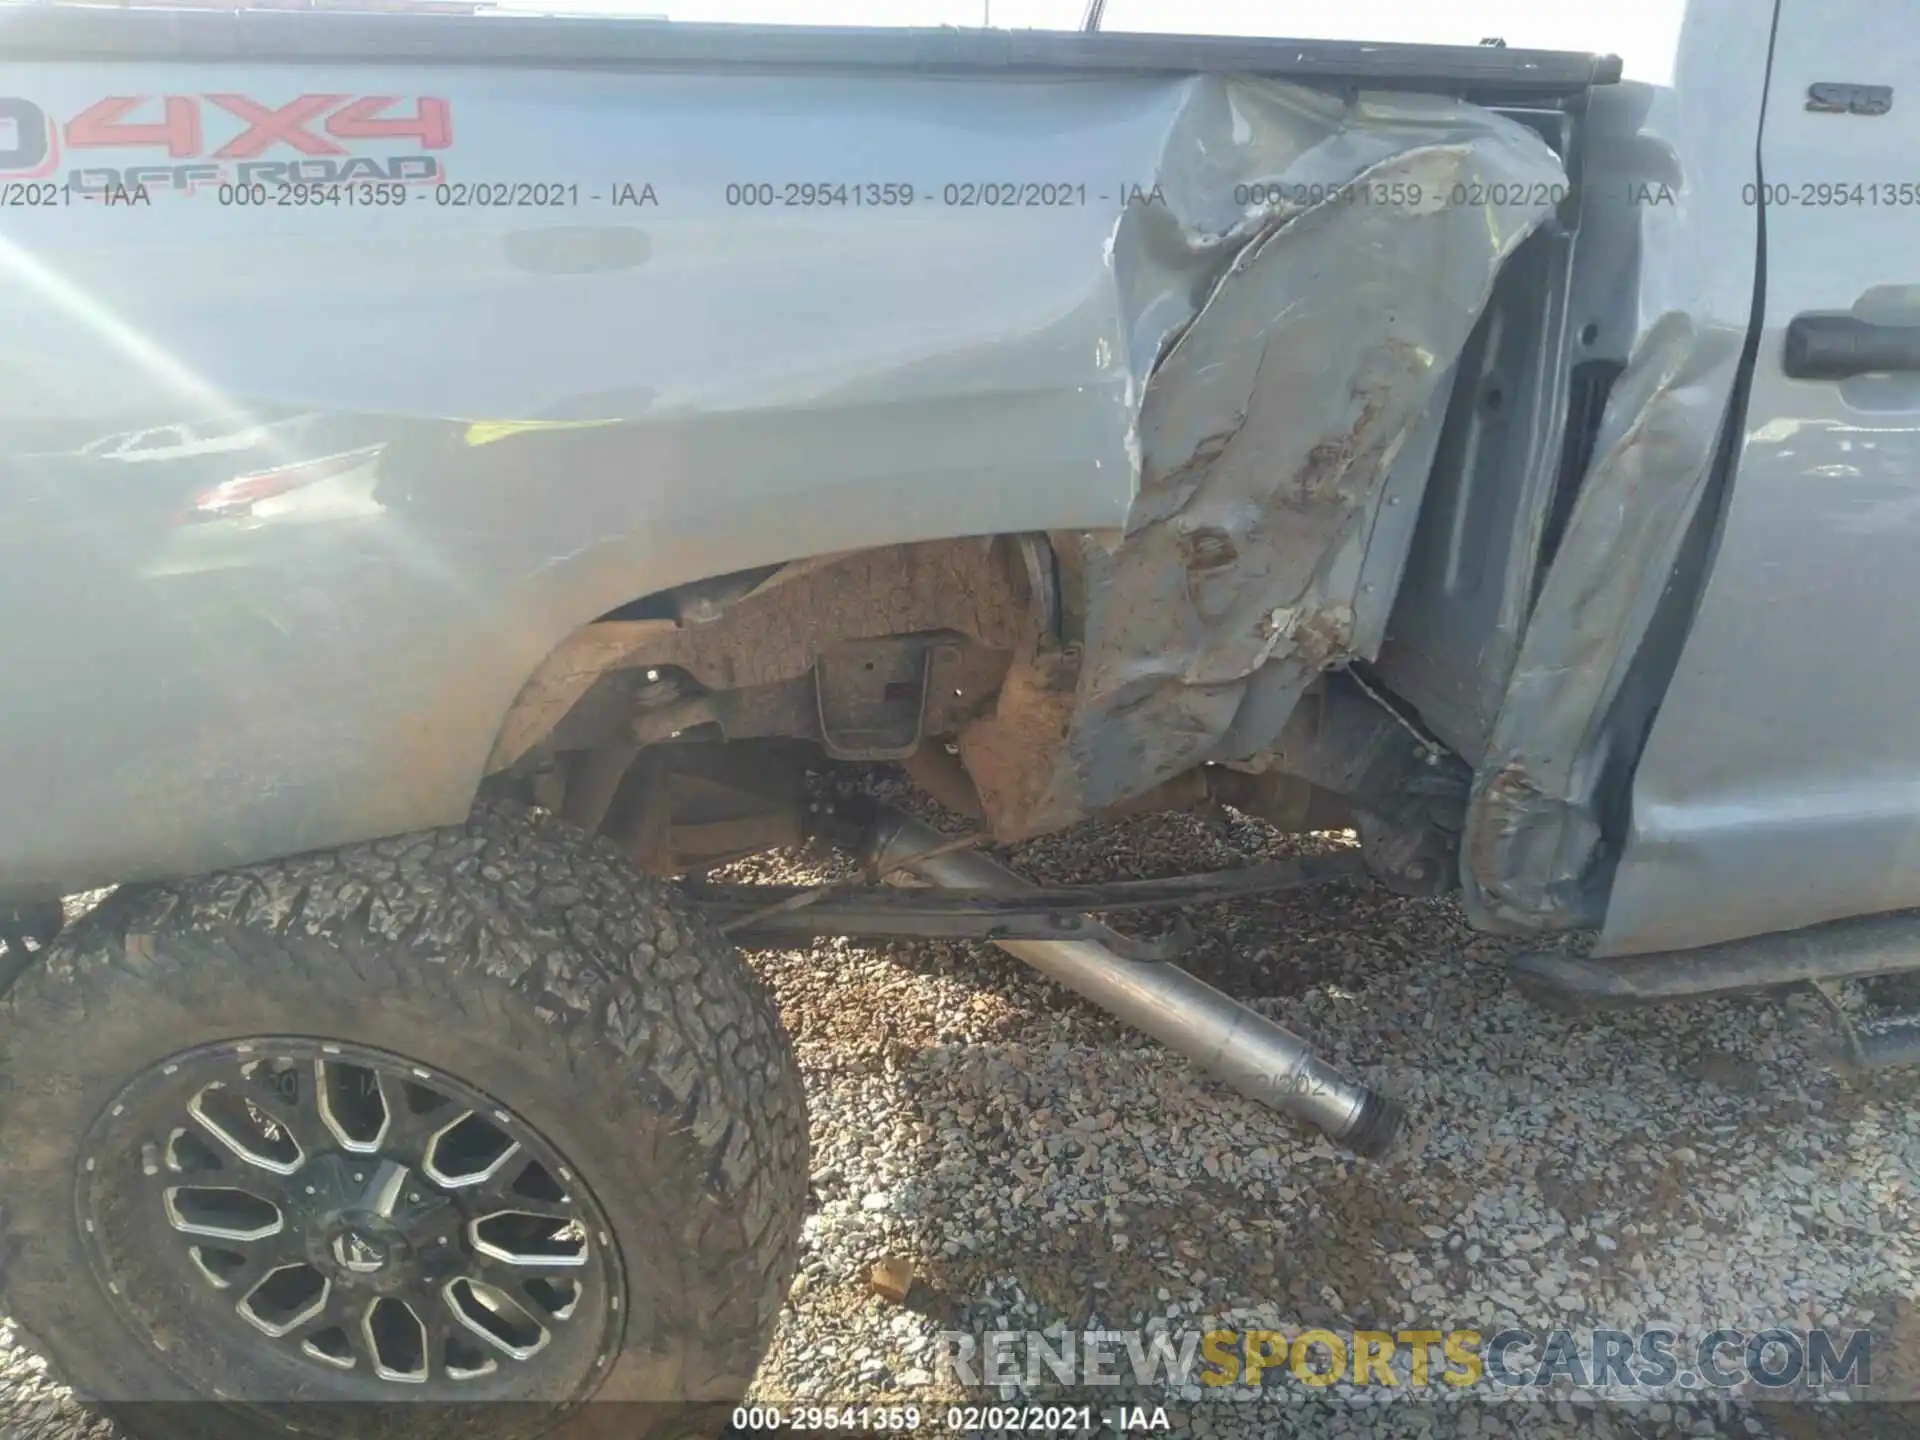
[(513, 953)]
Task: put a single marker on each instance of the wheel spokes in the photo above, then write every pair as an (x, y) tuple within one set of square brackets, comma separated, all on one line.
[(365, 1215), (281, 1090), (386, 1187), (353, 1105), (396, 1340), (557, 1296), (467, 1151), (527, 1185), (495, 1317), (332, 1345), (462, 1358), (333, 1336), (246, 1125), (415, 1110), (224, 1267), (286, 1298), (187, 1154), (529, 1240), (221, 1212)]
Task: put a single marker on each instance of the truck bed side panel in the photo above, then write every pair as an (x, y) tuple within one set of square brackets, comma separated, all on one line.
[(298, 494)]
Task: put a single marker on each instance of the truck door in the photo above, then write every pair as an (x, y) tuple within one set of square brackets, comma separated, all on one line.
[(1781, 782)]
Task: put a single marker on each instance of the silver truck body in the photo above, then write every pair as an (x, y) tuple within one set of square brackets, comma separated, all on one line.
[(295, 498)]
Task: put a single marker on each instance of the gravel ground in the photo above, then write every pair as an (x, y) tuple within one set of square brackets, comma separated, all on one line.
[(1039, 1165)]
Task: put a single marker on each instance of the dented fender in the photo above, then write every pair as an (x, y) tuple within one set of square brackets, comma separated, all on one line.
[(1302, 391)]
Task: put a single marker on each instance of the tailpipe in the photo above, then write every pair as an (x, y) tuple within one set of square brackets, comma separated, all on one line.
[(1223, 1037)]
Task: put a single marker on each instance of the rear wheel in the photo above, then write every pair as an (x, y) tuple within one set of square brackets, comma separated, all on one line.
[(477, 1122)]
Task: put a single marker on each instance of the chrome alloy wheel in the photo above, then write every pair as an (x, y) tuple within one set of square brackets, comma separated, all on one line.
[(347, 1213)]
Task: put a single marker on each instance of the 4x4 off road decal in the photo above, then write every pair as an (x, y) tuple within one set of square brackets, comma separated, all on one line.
[(188, 141)]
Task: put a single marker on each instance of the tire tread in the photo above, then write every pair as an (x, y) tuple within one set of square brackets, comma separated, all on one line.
[(513, 924)]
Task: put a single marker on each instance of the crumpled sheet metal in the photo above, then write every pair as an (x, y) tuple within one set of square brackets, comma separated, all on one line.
[(1294, 350), (1532, 850)]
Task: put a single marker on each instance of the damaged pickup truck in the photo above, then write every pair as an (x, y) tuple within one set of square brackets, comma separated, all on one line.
[(459, 472)]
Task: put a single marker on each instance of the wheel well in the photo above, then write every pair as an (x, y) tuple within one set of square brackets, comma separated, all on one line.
[(869, 655)]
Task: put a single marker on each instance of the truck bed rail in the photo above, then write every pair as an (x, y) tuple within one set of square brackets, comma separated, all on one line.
[(1481, 73)]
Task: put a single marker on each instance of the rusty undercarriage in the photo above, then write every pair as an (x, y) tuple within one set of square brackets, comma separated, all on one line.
[(684, 726)]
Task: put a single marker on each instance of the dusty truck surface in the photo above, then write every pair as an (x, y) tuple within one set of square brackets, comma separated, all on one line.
[(460, 472)]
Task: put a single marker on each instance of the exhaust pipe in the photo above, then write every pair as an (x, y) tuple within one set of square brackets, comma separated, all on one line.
[(1223, 1037)]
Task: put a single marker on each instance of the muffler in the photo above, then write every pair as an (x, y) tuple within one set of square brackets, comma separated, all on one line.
[(1223, 1037)]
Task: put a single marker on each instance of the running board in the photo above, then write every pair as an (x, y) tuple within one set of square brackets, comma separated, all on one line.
[(1885, 1041), (1839, 950)]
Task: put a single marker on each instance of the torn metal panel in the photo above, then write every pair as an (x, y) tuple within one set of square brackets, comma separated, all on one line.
[(1533, 847), (1663, 280), (1269, 426), (1475, 562)]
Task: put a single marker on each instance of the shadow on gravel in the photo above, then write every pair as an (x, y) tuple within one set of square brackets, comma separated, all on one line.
[(1041, 1164)]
